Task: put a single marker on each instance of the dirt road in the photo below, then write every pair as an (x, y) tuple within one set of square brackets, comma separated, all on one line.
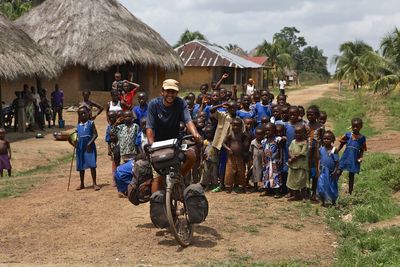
[(49, 225)]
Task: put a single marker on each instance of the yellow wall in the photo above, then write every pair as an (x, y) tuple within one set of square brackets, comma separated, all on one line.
[(68, 81), (193, 77), (74, 79)]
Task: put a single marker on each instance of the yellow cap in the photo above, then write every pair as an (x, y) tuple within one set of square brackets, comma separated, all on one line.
[(170, 84)]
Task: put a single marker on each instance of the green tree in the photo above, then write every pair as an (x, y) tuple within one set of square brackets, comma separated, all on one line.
[(235, 49), (289, 34), (13, 9), (313, 60), (388, 67), (188, 36), (278, 57), (357, 63)]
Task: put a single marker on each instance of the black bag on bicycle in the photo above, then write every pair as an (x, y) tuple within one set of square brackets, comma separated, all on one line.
[(158, 215), (139, 190), (196, 203), (165, 155)]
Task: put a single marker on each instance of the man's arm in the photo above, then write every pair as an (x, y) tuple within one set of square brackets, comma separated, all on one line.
[(193, 131), (150, 136)]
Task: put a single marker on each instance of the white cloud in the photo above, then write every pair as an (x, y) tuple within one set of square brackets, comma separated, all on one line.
[(325, 24)]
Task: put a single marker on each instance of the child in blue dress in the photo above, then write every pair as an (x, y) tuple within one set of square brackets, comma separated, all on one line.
[(328, 169), (86, 154), (353, 154)]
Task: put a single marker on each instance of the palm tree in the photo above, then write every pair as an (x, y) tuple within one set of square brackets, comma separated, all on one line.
[(278, 57), (356, 64), (313, 60), (188, 36), (389, 67), (235, 49)]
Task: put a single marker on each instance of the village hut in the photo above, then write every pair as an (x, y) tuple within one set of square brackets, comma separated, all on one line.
[(205, 62), (92, 39), (21, 57)]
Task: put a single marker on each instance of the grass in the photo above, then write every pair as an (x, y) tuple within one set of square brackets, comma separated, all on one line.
[(246, 261), (371, 202), (393, 106), (26, 180), (350, 105)]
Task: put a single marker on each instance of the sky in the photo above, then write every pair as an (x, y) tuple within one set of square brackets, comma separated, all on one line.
[(323, 23)]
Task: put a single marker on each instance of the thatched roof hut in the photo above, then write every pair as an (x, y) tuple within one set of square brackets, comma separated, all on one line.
[(97, 34), (20, 56)]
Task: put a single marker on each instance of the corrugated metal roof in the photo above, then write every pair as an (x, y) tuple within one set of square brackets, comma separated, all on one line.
[(203, 54), (258, 60)]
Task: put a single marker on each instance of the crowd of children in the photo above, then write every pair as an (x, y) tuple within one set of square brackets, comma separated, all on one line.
[(252, 143)]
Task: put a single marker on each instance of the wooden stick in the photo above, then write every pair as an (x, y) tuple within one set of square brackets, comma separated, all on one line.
[(70, 170)]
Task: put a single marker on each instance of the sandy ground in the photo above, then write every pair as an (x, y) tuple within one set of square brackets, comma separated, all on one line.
[(49, 225)]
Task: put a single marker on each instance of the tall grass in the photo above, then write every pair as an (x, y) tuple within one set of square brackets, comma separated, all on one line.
[(371, 202), (350, 105)]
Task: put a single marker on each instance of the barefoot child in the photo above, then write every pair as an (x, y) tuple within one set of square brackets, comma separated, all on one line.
[(353, 154), (329, 164), (5, 153), (257, 157), (315, 133), (298, 165), (86, 154), (209, 179), (237, 145), (271, 156)]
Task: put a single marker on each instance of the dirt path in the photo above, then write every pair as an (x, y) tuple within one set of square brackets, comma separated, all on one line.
[(49, 225)]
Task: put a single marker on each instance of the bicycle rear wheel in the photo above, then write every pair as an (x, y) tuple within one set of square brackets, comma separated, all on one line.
[(177, 214)]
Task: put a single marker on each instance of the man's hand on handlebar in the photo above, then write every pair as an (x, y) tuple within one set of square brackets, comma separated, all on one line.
[(198, 139)]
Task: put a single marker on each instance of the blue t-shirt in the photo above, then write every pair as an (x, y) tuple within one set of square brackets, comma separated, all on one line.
[(245, 114), (207, 110), (262, 111), (140, 113), (165, 120)]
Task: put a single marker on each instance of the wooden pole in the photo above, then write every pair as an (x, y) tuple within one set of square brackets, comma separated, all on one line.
[(70, 170)]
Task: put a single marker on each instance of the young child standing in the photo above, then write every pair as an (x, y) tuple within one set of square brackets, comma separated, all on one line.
[(257, 157), (271, 156), (298, 164), (353, 154), (5, 153), (314, 135), (329, 164), (141, 110), (209, 177), (322, 118), (237, 145), (127, 136), (280, 139), (86, 154)]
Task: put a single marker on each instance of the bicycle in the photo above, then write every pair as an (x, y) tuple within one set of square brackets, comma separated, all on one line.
[(167, 157)]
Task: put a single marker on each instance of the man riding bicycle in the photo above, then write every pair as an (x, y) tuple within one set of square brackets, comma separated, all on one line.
[(163, 118)]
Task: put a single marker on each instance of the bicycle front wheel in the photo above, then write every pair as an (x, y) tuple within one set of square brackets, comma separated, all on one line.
[(177, 214)]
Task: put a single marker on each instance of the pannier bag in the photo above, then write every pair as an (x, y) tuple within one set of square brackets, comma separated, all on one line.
[(158, 214), (139, 190), (164, 154), (196, 203)]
